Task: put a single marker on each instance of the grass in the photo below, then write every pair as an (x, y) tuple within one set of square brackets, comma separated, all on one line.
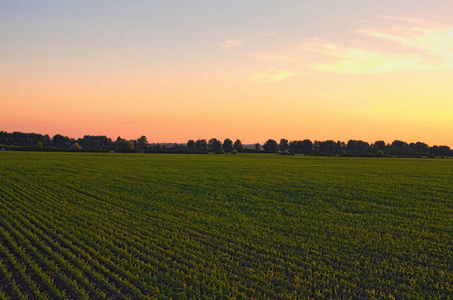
[(79, 225)]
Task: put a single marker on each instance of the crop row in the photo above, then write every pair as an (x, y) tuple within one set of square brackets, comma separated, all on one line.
[(122, 249), (81, 238)]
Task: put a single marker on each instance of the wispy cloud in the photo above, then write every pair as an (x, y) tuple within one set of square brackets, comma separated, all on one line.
[(426, 46), (433, 40), (393, 44), (271, 76), (357, 60), (230, 44)]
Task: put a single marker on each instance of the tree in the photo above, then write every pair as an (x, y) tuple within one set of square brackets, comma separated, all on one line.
[(400, 148), (61, 141), (201, 145), (328, 146), (380, 145), (142, 143), (305, 146), (191, 145), (95, 141), (158, 148), (227, 145), (434, 150), (270, 146), (420, 148), (444, 150), (356, 147), (283, 145), (46, 140), (238, 145), (399, 144), (125, 146), (39, 145), (257, 147), (341, 145), (293, 147), (214, 145)]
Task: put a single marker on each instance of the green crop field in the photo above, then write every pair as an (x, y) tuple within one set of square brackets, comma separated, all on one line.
[(78, 225)]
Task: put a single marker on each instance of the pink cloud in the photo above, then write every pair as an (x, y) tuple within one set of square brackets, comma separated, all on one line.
[(426, 46)]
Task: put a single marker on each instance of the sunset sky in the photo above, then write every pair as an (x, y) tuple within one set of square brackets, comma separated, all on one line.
[(253, 70)]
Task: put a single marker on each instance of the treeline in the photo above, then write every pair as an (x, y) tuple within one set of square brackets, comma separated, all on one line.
[(356, 148), (20, 141), (34, 141), (89, 143)]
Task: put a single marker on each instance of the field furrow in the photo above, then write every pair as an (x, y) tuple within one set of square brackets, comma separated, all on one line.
[(264, 227)]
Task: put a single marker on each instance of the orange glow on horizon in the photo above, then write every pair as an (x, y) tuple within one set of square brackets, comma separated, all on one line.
[(307, 87)]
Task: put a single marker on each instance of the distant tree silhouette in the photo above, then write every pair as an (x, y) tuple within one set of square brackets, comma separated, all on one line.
[(420, 148), (444, 150), (270, 146), (142, 142), (399, 144), (125, 146), (296, 147), (400, 148), (380, 145), (292, 147), (238, 145), (307, 146), (214, 145), (95, 141), (227, 145), (61, 141), (283, 145), (201, 145), (191, 145), (356, 147), (158, 148), (328, 147), (257, 147)]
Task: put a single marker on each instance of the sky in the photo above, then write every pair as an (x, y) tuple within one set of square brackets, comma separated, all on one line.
[(242, 69)]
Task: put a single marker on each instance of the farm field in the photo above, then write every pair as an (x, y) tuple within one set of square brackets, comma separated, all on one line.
[(139, 226)]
